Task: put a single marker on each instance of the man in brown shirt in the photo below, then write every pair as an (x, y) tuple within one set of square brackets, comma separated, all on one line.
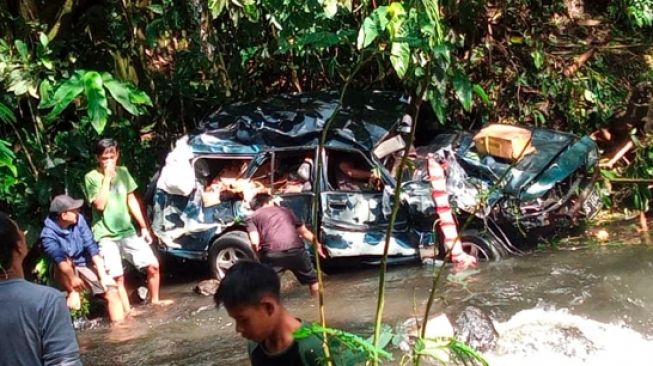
[(275, 235)]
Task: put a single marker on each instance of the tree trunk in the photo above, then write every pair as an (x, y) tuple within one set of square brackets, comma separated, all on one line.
[(28, 10), (65, 9)]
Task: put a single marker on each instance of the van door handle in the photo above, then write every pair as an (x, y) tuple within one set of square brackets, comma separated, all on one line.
[(337, 203)]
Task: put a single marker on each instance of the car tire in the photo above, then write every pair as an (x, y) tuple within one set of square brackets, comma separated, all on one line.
[(227, 250), (480, 245)]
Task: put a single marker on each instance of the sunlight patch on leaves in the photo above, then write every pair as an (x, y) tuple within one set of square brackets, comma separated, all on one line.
[(7, 157), (463, 88), (216, 7), (63, 96), (400, 57), (96, 99)]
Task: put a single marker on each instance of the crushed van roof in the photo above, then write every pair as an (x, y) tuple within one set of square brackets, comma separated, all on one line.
[(298, 119)]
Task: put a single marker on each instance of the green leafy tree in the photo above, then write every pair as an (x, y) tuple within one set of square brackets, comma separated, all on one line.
[(91, 86), (7, 156), (638, 13), (48, 153)]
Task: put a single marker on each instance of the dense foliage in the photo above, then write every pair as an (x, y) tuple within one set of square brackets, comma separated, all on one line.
[(146, 71)]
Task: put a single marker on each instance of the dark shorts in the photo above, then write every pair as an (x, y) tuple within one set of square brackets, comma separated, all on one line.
[(86, 274), (295, 260)]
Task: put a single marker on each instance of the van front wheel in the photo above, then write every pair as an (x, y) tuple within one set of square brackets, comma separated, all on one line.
[(227, 250)]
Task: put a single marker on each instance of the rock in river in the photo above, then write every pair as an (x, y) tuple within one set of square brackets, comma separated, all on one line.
[(207, 287), (474, 327)]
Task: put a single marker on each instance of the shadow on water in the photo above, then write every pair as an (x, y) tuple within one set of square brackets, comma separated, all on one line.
[(581, 304)]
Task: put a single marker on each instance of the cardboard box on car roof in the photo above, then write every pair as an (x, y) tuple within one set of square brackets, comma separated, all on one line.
[(504, 141)]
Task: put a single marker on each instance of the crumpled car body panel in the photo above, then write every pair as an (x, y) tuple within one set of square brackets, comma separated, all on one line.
[(298, 120), (354, 224), (488, 188), (557, 155)]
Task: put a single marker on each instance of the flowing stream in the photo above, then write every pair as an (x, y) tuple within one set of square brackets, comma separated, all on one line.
[(582, 304)]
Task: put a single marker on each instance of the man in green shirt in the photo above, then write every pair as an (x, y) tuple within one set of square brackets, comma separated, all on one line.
[(110, 191)]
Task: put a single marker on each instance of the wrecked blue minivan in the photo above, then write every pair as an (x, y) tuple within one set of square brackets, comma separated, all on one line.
[(201, 197)]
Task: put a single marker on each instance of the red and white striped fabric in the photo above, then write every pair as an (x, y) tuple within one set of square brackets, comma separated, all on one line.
[(446, 221)]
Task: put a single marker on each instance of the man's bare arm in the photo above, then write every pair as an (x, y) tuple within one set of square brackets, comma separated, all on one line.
[(136, 212), (100, 200), (308, 235), (356, 173), (255, 239), (305, 233), (109, 172)]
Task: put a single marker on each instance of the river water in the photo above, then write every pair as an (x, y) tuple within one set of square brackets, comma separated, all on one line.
[(580, 304)]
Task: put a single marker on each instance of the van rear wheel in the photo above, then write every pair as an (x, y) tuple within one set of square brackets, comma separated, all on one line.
[(227, 250), (480, 245)]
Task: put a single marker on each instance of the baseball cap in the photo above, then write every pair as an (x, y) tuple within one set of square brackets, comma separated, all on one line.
[(63, 203)]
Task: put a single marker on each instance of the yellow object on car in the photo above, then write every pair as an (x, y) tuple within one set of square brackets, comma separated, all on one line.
[(504, 141)]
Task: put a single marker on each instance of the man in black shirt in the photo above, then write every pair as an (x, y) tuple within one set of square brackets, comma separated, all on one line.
[(275, 235), (250, 294)]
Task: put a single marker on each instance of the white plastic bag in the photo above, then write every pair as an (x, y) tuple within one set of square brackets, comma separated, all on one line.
[(177, 176)]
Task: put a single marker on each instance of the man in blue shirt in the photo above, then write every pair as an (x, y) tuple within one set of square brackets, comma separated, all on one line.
[(67, 240), (35, 326)]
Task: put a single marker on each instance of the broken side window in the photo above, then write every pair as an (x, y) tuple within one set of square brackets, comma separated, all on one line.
[(295, 173), (263, 172), (292, 173), (351, 171), (222, 178)]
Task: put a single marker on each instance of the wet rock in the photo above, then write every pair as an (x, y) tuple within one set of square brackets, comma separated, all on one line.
[(598, 233), (474, 327), (139, 295), (408, 331), (207, 287), (432, 261), (85, 324), (288, 281), (201, 309)]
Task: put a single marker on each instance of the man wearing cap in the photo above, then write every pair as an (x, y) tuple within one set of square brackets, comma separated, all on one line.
[(67, 240)]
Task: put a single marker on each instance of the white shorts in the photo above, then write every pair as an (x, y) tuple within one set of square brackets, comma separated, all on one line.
[(132, 248)]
